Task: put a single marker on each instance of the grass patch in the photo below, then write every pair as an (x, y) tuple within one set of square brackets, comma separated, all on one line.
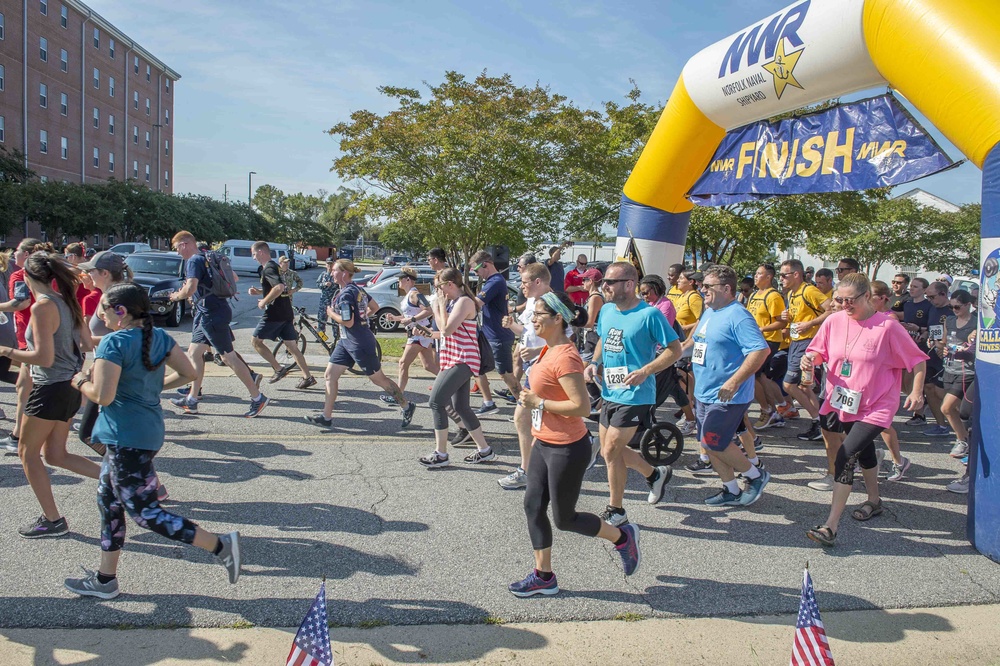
[(391, 346), (239, 624), (371, 624), (629, 617), (493, 619)]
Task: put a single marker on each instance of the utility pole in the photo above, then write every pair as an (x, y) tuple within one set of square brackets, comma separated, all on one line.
[(225, 194), (250, 188)]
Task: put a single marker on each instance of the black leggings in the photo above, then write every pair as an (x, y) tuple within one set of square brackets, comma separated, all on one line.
[(451, 386), (555, 474), (88, 419), (858, 446)]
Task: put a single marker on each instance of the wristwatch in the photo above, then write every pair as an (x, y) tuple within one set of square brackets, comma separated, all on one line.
[(81, 382), (541, 405)]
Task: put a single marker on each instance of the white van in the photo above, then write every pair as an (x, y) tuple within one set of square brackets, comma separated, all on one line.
[(242, 259)]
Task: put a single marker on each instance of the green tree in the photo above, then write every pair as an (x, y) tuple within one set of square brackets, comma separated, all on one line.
[(478, 163)]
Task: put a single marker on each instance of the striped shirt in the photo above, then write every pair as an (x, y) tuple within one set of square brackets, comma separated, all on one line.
[(462, 346)]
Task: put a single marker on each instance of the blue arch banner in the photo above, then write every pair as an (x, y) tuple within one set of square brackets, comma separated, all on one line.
[(857, 146)]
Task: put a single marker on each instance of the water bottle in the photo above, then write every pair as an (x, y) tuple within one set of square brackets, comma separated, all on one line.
[(807, 378), (951, 347)]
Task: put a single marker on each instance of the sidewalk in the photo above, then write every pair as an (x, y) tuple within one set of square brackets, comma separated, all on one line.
[(966, 635)]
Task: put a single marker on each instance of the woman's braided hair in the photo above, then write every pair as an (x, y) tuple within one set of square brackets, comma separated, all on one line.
[(135, 300)]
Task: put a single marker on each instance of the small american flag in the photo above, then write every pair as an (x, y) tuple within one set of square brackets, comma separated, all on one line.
[(311, 646), (810, 647)]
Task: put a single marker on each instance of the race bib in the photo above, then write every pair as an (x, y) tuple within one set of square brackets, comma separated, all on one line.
[(936, 332), (698, 356), (845, 400), (536, 419), (614, 378)]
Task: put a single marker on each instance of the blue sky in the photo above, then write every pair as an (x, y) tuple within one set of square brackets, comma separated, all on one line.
[(263, 80)]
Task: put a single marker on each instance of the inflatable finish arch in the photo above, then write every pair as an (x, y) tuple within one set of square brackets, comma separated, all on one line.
[(942, 55)]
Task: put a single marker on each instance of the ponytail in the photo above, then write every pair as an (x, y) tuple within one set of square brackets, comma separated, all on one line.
[(135, 300), (147, 342), (45, 267)]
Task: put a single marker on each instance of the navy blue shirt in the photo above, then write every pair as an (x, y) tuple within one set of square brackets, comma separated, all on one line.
[(493, 294), (352, 303), (558, 273), (204, 301)]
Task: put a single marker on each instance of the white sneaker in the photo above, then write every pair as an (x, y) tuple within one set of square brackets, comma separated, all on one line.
[(688, 428), (825, 483), (516, 479)]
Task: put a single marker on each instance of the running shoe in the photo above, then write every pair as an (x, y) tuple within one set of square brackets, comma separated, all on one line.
[(614, 517), (387, 399), (938, 431), (960, 449), (256, 377), (688, 428), (89, 586), (532, 585), (916, 420), (408, 413), (186, 405), (9, 443), (43, 528), (281, 373), (762, 420), (959, 486), (435, 460), (825, 483), (186, 390), (659, 484), (629, 551), (700, 468), (257, 406), (814, 434), (754, 489), (461, 437), (306, 382), (788, 412), (898, 471), (515, 480), (506, 395), (758, 444), (487, 409), (774, 420), (229, 556), (319, 420), (477, 457), (725, 498)]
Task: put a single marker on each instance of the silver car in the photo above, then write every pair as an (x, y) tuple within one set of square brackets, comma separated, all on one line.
[(385, 293)]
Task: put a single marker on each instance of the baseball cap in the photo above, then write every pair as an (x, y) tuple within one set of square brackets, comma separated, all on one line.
[(105, 260), (946, 278), (592, 274)]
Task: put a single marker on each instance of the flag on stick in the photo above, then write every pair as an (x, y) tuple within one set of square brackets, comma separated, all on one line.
[(632, 255), (311, 646), (810, 647)]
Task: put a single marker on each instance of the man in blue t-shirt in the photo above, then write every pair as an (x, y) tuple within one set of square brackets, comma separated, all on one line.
[(212, 316), (728, 348), (492, 298), (625, 363)]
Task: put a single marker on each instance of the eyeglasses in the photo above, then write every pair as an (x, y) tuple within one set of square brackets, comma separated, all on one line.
[(478, 266), (841, 270), (846, 301), (705, 285), (956, 308), (785, 276), (645, 293), (616, 281), (536, 314), (899, 282)]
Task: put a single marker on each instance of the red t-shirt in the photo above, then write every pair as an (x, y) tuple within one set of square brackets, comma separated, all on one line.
[(90, 301), (22, 317), (553, 363), (574, 278)]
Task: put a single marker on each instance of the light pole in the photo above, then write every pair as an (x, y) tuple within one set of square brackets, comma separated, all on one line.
[(250, 188)]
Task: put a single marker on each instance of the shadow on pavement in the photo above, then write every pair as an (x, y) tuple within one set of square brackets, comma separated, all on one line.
[(223, 471), (299, 517)]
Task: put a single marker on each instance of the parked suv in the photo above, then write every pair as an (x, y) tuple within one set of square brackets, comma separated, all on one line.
[(162, 273), (126, 249)]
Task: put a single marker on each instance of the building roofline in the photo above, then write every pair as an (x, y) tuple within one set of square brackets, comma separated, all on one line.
[(917, 190), (121, 36)]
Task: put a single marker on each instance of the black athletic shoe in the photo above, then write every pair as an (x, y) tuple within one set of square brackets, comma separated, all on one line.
[(408, 413), (319, 420), (814, 434), (43, 527)]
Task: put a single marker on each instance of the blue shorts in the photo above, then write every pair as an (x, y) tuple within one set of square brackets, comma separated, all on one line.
[(503, 356), (367, 360), (796, 350), (275, 330), (213, 331), (718, 422)]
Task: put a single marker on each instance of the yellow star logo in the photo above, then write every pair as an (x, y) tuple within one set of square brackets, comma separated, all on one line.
[(781, 68)]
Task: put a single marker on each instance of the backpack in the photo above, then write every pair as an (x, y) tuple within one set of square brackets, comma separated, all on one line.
[(223, 278)]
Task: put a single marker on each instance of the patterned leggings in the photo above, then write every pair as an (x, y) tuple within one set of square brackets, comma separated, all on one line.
[(128, 483)]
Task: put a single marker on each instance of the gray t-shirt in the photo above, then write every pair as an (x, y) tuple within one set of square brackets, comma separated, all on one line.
[(66, 340), (953, 367)]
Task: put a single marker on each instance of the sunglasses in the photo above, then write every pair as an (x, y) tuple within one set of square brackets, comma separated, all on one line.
[(785, 276), (614, 281), (898, 282), (645, 293), (478, 266), (846, 301), (956, 308)]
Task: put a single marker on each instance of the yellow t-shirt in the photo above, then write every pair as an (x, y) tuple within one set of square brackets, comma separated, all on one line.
[(828, 295), (689, 306), (805, 304), (673, 295), (766, 306)]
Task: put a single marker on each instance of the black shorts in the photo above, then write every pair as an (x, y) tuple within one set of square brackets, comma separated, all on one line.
[(765, 367), (503, 356), (777, 365), (617, 415), (53, 402), (212, 331), (935, 373), (796, 350), (958, 385), (275, 330), (831, 422), (367, 360)]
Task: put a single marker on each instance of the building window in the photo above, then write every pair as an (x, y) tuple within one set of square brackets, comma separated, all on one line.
[(135, 169), (97, 38), (147, 73), (97, 118), (147, 106), (111, 124), (97, 241), (44, 7), (64, 147), (167, 120), (63, 16), (1, 129), (43, 141), (111, 48), (135, 135), (111, 240), (135, 99), (168, 85), (1, 26), (63, 60), (97, 158), (63, 104), (166, 177), (111, 162), (97, 78), (1, 77), (147, 139), (43, 95), (166, 147), (43, 49), (147, 173), (45, 235), (111, 86), (135, 62)]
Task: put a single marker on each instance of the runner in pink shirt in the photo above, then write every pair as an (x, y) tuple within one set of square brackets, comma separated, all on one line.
[(866, 352)]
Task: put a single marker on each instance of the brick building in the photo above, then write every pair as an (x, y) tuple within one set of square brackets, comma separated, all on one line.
[(81, 100)]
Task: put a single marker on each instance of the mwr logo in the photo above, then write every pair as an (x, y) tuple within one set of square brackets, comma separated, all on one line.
[(767, 40), (613, 341)]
